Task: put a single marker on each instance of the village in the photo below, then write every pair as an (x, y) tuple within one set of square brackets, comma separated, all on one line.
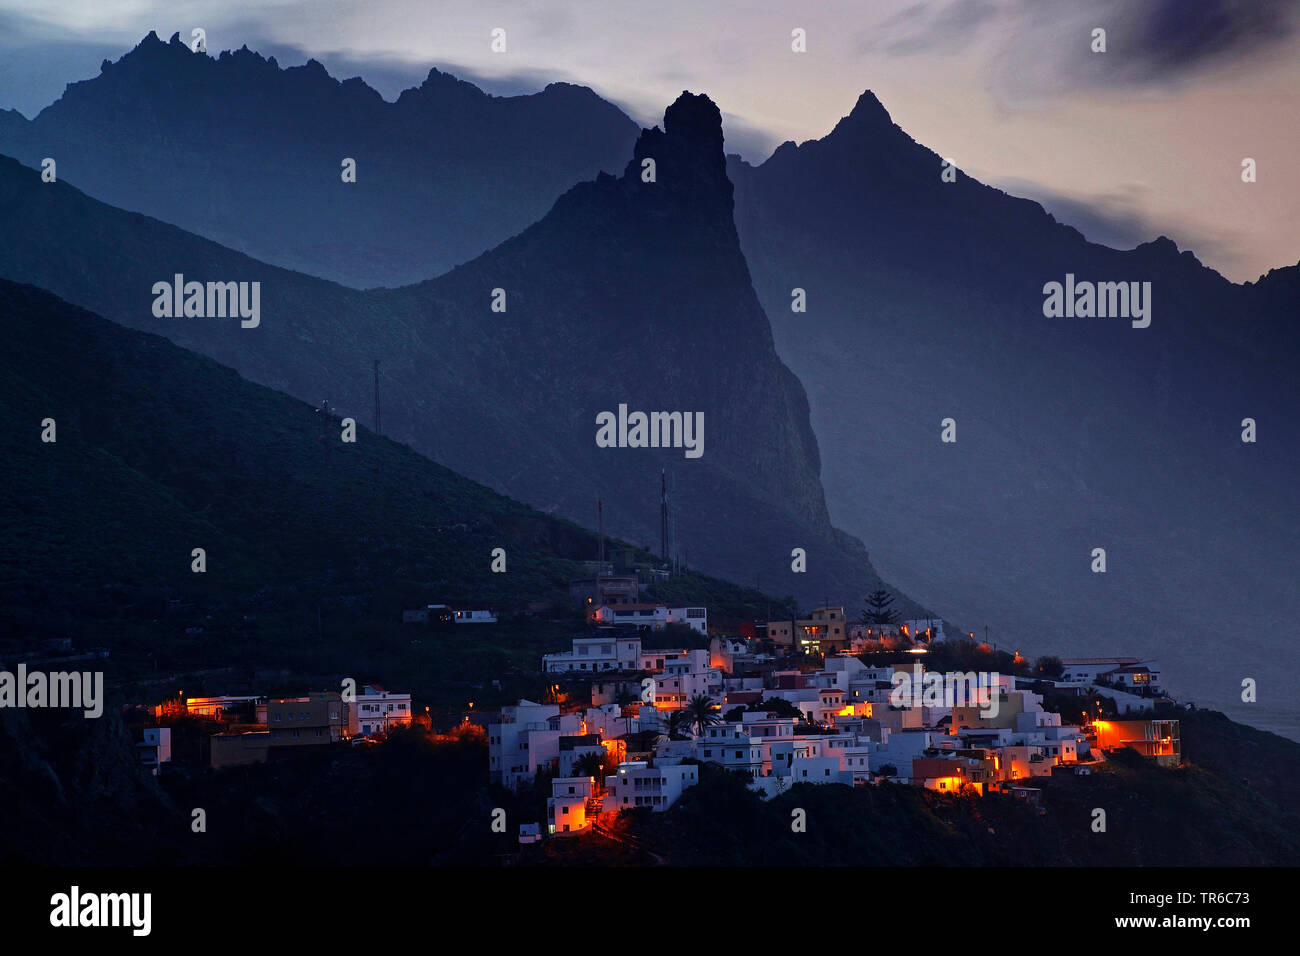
[(648, 692)]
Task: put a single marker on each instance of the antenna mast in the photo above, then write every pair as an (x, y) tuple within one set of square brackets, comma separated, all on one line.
[(663, 516)]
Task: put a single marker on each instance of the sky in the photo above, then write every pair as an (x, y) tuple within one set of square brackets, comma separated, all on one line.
[(1142, 140)]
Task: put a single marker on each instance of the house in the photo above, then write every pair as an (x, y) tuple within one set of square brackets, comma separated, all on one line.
[(530, 833), (1158, 739), (863, 633), (640, 785), (566, 807), (573, 749), (156, 748), (605, 652), (732, 747), (376, 711), (605, 589), (318, 718), (474, 617), (526, 738), (688, 675), (228, 708), (1123, 672), (652, 616), (824, 630), (949, 772)]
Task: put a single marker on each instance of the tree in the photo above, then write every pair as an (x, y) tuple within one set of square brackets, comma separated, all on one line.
[(1049, 667), (678, 724), (879, 609), (625, 698), (779, 706), (700, 713), (592, 764)]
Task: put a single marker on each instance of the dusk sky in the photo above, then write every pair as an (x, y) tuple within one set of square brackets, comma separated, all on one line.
[(1145, 139)]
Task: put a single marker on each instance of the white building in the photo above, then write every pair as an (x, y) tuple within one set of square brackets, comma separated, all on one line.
[(376, 711), (1124, 673), (156, 749), (474, 617), (686, 677), (653, 616), (566, 807), (637, 784), (606, 652), (526, 739), (732, 747)]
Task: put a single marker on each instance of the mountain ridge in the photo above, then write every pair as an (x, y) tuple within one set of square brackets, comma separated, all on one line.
[(238, 149), (611, 299)]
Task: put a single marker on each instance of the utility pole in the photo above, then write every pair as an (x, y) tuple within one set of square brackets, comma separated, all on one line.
[(663, 515), (377, 429)]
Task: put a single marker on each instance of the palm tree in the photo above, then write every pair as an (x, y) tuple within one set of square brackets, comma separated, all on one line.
[(700, 713), (624, 698), (591, 764), (678, 724)]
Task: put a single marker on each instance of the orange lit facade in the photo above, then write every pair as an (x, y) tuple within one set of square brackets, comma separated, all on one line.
[(1157, 739)]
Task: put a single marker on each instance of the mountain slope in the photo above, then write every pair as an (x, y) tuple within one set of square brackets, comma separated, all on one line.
[(160, 451), (628, 292), (237, 149), (925, 301)]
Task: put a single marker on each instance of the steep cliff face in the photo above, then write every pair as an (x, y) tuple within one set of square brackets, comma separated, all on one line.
[(634, 292), (235, 148), (629, 292)]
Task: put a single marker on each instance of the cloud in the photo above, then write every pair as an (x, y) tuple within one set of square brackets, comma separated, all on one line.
[(1046, 46), (1176, 36), (1119, 219), (923, 28), (37, 61), (753, 143)]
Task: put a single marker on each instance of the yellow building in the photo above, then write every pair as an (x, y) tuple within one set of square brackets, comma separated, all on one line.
[(825, 630)]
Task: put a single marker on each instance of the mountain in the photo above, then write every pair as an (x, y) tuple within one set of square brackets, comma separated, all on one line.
[(159, 451), (626, 293), (248, 154), (925, 301)]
